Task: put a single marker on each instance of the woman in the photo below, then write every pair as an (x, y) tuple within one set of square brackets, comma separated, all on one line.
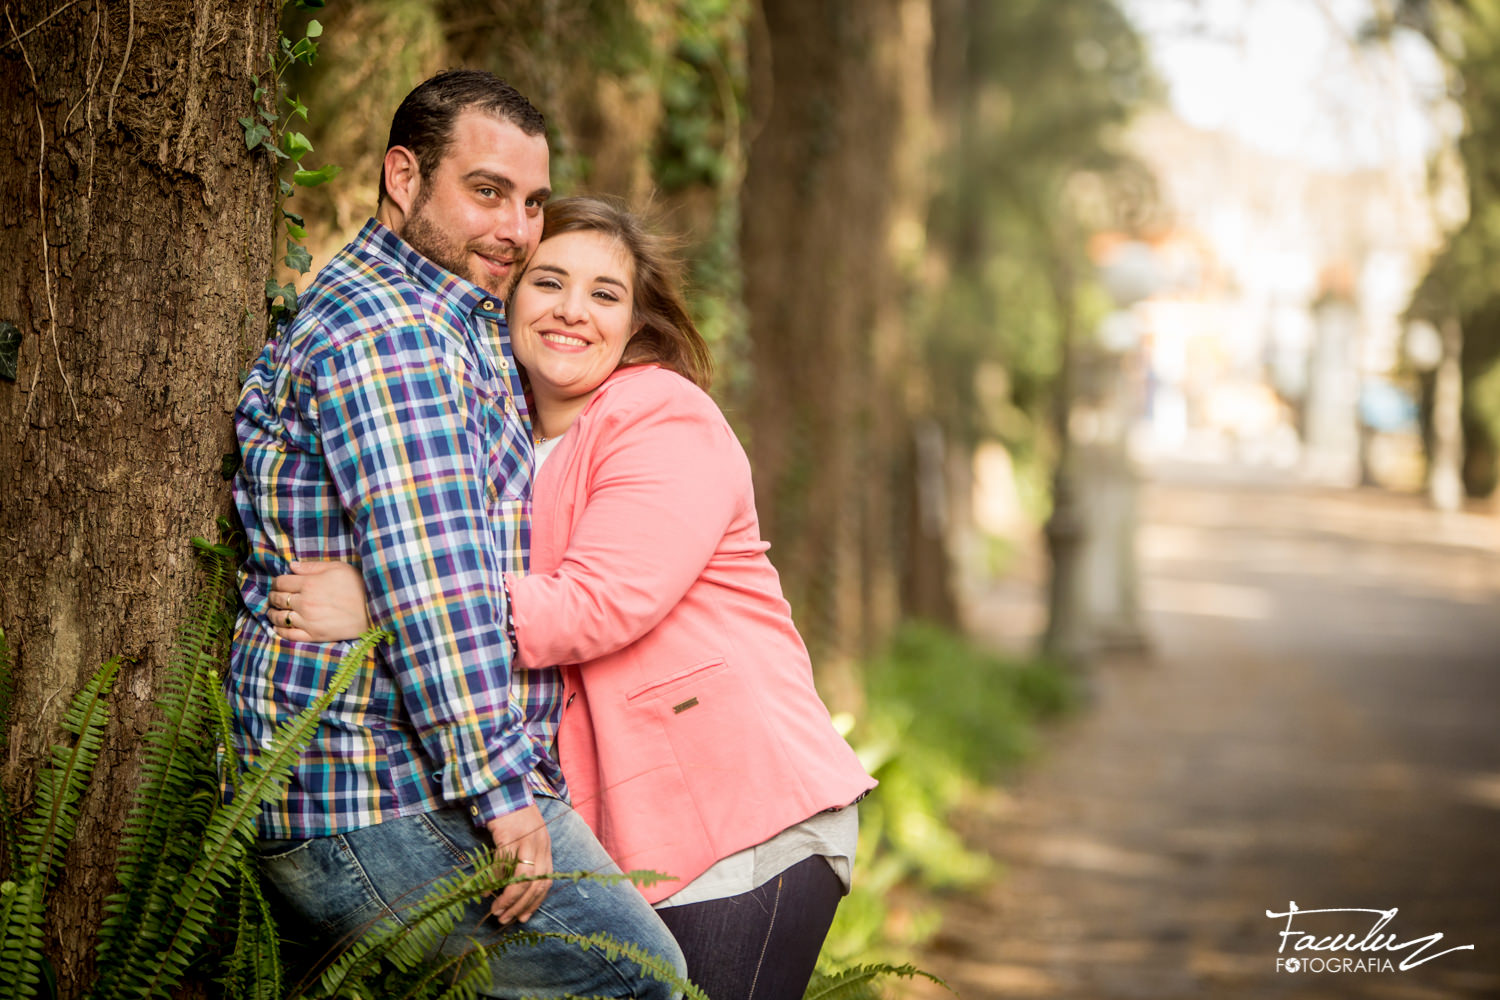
[(693, 740)]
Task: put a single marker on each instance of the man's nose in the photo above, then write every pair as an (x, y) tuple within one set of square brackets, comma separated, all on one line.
[(511, 223)]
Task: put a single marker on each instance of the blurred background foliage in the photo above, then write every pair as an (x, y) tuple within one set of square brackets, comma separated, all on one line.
[(1460, 286)]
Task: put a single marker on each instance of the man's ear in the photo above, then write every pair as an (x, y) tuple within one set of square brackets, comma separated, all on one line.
[(403, 178)]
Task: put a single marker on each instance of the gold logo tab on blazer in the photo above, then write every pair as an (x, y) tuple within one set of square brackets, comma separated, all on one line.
[(684, 706)]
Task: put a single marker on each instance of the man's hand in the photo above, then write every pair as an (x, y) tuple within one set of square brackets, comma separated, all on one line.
[(522, 835), (326, 598)]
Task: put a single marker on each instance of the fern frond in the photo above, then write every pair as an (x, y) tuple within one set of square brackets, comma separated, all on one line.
[(393, 958), (164, 945), (651, 965), (173, 940), (254, 970), (46, 832), (22, 914), (858, 983), (172, 764), (171, 804), (409, 943)]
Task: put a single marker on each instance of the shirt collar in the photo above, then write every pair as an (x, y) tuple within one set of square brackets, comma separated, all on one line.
[(382, 242)]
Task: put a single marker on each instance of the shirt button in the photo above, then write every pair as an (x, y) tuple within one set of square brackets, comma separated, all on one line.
[(474, 810), (505, 364), (489, 305)]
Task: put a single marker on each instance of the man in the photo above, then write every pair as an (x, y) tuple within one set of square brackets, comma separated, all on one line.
[(387, 427)]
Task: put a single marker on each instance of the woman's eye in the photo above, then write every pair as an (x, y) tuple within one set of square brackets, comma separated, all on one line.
[(607, 296)]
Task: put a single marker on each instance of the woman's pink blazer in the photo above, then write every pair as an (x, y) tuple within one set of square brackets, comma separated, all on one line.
[(692, 728)]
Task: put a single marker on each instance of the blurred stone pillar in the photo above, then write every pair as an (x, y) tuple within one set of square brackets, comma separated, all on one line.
[(1331, 416), (1445, 481), (1094, 599), (1437, 351), (1111, 488)]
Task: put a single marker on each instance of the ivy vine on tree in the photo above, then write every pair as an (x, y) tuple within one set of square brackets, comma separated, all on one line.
[(269, 129)]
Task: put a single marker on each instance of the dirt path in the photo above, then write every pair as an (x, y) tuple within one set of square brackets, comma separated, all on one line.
[(1320, 723)]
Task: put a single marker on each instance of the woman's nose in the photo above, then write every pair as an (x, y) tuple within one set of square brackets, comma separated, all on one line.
[(570, 307)]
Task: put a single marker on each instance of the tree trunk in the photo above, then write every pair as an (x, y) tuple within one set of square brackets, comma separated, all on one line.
[(138, 245), (829, 205)]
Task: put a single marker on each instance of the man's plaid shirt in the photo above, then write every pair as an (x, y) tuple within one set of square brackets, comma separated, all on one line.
[(386, 427)]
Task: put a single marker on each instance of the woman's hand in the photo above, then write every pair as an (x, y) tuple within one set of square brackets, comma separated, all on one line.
[(319, 602)]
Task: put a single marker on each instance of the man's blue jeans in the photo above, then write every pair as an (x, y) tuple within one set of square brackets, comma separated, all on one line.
[(343, 885)]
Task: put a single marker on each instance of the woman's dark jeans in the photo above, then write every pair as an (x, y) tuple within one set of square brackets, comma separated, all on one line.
[(763, 944)]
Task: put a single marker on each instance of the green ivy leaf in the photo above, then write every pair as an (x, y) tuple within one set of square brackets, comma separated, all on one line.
[(10, 350), (255, 132), (310, 4), (286, 188), (295, 231), (276, 290), (312, 178), (269, 116), (293, 218), (297, 258), (296, 145), (297, 108), (314, 29)]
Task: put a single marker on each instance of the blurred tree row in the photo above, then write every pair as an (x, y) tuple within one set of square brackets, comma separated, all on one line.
[(1459, 292), (886, 203)]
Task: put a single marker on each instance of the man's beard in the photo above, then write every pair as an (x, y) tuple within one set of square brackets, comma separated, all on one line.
[(429, 240)]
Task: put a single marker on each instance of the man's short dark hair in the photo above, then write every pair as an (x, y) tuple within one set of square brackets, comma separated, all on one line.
[(424, 121)]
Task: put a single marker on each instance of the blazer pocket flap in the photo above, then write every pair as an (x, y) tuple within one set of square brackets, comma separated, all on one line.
[(675, 683)]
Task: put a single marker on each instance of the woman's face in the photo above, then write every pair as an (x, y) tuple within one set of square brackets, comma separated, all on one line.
[(571, 316)]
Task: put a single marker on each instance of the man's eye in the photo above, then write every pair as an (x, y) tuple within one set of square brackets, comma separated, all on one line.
[(487, 192)]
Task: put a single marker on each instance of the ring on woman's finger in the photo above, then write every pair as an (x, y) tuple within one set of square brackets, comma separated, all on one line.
[(289, 619), (523, 861)]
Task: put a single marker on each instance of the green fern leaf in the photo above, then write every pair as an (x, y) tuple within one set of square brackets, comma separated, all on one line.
[(173, 763), (406, 945), (171, 941), (254, 970), (47, 831), (858, 983), (22, 913)]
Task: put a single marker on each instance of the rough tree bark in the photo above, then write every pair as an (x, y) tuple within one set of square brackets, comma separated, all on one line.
[(831, 211), (137, 232)]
